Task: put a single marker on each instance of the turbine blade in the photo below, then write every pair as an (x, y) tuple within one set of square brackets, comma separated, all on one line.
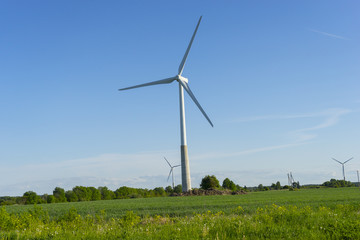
[(337, 161), (176, 166), (169, 175), (167, 162), (187, 88), (163, 81), (348, 160), (181, 67)]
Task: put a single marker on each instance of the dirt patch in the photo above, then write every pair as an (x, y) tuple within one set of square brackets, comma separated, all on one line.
[(208, 192)]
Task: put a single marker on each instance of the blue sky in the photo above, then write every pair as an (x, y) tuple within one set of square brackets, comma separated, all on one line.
[(279, 80)]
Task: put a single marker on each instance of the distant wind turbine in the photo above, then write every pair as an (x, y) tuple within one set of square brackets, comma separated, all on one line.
[(183, 84), (171, 172), (342, 163)]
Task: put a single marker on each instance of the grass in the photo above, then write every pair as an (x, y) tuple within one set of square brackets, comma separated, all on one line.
[(187, 206), (305, 214)]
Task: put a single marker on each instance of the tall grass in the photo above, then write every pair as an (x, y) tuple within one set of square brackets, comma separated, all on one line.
[(305, 214), (187, 206), (269, 222)]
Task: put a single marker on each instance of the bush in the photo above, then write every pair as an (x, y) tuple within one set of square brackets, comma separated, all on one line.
[(337, 183), (228, 184), (71, 196), (178, 189), (31, 197), (59, 194), (50, 199), (209, 182)]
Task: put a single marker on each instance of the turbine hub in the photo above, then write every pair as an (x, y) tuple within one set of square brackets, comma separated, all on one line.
[(179, 77)]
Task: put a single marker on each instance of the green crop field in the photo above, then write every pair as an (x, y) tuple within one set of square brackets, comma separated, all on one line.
[(325, 213)]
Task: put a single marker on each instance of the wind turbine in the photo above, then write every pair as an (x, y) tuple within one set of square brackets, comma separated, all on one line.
[(183, 84), (342, 163), (171, 171)]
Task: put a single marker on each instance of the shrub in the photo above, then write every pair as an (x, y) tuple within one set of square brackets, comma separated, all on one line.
[(209, 182)]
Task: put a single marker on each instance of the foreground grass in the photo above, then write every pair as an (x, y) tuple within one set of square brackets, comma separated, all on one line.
[(271, 222), (305, 214)]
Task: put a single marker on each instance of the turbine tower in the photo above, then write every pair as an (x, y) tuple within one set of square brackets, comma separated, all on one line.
[(171, 172), (183, 84), (342, 163)]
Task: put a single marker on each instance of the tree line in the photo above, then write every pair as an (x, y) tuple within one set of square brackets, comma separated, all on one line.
[(81, 193)]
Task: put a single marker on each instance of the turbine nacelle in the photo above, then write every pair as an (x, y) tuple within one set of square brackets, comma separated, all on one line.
[(181, 78)]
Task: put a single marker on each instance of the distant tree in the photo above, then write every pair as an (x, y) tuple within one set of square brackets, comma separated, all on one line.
[(82, 193), (7, 200), (143, 192), (126, 192), (20, 200), (59, 194), (337, 183), (71, 196), (159, 191), (95, 194), (50, 199), (43, 198), (260, 187), (228, 184), (296, 185), (277, 186), (106, 194), (273, 186), (178, 189), (31, 197), (169, 190), (209, 182)]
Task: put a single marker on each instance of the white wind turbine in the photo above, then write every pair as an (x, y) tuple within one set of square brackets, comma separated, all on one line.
[(171, 172), (183, 84), (342, 163)]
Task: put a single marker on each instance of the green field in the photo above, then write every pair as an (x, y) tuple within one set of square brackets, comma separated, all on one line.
[(325, 213), (187, 206)]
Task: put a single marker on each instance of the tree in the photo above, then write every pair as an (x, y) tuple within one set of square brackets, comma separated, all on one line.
[(51, 199), (228, 184), (31, 197), (59, 194), (261, 187), (209, 182), (159, 191), (169, 190), (125, 192), (336, 183), (106, 194), (277, 186), (95, 194), (71, 196), (82, 193), (178, 189), (296, 185)]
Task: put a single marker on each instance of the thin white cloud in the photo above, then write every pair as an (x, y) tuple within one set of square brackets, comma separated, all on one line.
[(293, 116), (331, 116), (113, 169), (244, 152), (329, 34)]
